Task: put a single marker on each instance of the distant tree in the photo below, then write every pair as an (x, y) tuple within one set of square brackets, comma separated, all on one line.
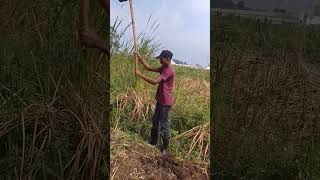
[(224, 4), (178, 61), (279, 10)]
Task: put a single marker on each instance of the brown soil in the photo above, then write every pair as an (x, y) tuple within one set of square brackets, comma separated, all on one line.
[(131, 159)]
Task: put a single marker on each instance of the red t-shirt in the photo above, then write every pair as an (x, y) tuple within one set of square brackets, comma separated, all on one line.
[(164, 93)]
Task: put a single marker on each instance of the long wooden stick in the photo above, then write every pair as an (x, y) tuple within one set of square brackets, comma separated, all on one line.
[(84, 15), (134, 36)]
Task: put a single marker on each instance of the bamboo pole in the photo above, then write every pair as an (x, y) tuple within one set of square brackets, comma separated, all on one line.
[(134, 36), (84, 16)]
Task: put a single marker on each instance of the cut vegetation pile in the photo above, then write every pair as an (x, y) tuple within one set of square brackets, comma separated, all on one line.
[(132, 158)]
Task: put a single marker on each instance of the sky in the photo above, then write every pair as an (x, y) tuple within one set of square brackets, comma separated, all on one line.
[(184, 25)]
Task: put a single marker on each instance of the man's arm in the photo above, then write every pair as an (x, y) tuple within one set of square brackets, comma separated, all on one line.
[(147, 79), (106, 6), (89, 38), (146, 65)]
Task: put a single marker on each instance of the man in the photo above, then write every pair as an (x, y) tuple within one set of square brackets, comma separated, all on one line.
[(89, 38), (163, 96)]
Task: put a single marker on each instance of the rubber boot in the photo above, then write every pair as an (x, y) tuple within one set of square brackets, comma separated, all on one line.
[(154, 137), (165, 145)]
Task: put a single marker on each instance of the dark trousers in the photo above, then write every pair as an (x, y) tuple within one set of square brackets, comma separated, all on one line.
[(160, 116)]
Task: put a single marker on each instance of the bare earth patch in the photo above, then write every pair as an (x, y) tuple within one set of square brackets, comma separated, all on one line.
[(131, 159)]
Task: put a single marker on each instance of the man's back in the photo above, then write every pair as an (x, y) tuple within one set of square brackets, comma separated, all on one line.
[(164, 93)]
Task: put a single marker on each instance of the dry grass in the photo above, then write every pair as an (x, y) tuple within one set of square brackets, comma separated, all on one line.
[(141, 103), (266, 106), (270, 108), (193, 89), (200, 139), (49, 119)]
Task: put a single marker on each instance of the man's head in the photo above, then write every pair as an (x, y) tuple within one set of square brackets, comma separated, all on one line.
[(165, 57)]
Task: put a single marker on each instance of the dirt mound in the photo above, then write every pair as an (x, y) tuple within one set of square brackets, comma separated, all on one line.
[(134, 159)]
